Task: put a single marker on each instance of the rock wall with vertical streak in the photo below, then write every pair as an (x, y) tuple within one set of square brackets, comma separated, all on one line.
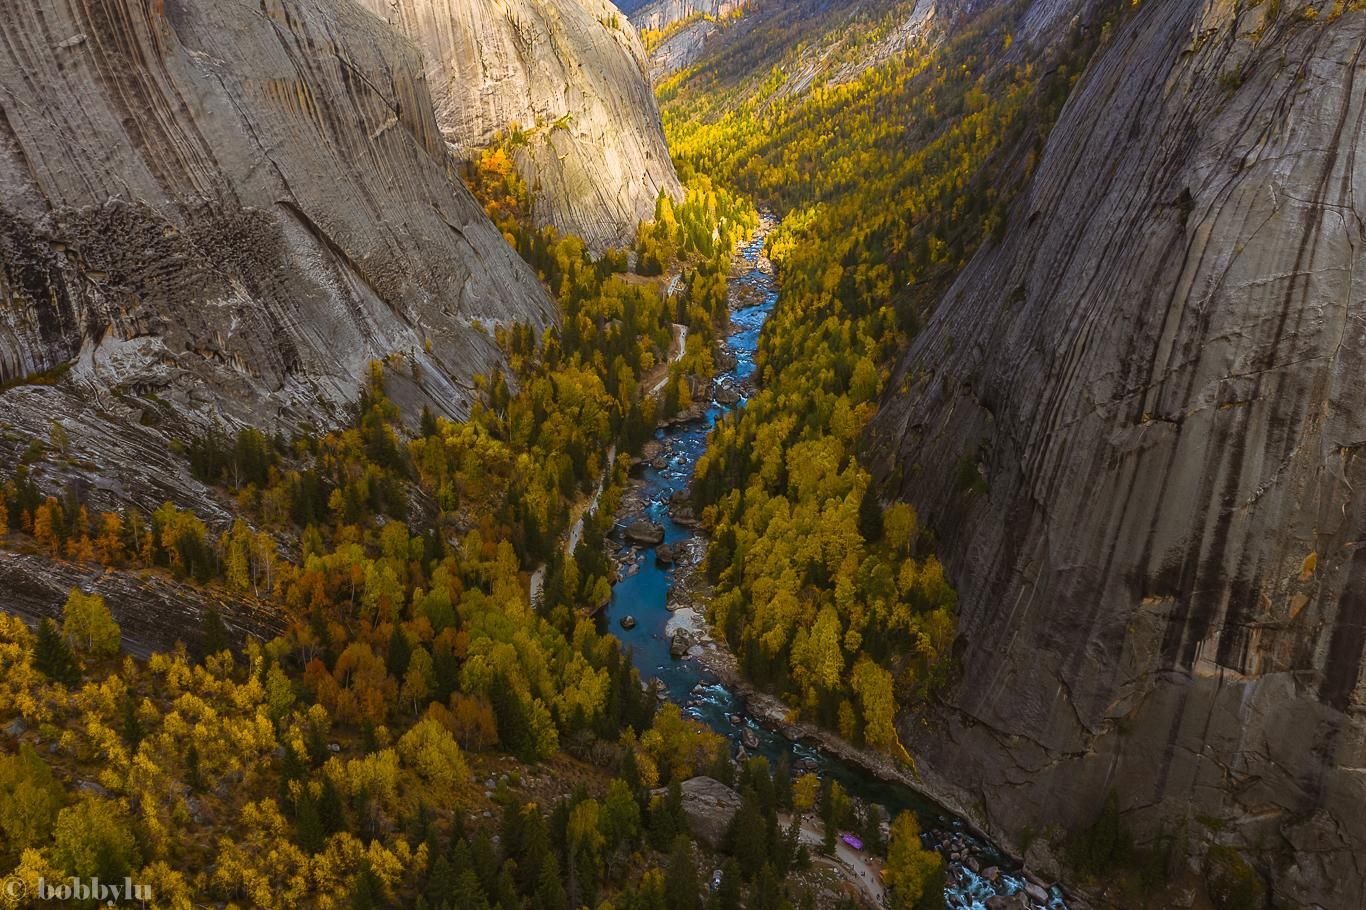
[(225, 209), (571, 75), (1160, 373)]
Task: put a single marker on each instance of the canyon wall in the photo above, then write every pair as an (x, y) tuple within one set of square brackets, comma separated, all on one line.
[(1159, 377), (570, 75)]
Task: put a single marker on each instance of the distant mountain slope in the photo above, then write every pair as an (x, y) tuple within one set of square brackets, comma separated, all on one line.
[(1135, 422), (659, 14), (571, 75)]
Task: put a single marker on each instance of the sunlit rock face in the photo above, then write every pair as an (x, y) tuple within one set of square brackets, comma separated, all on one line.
[(233, 208), (571, 76), (1160, 375), (662, 13)]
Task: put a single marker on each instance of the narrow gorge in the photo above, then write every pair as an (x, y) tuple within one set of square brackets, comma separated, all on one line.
[(682, 455)]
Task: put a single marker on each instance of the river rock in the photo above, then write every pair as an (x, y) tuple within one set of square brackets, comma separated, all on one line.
[(727, 396), (684, 516), (666, 555), (628, 622), (749, 738), (1016, 901), (1036, 893), (679, 643), (93, 788), (645, 532)]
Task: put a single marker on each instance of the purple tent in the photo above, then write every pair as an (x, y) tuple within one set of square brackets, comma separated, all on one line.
[(852, 841)]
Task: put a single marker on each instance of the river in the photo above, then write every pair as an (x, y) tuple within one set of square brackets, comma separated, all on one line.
[(643, 593)]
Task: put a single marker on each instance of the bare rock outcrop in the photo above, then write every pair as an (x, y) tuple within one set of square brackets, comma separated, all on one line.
[(660, 14), (234, 207), (571, 75), (1158, 373), (709, 806)]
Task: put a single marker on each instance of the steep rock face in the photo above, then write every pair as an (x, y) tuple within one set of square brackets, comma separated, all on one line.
[(663, 13), (571, 75), (684, 44), (1159, 376), (234, 207)]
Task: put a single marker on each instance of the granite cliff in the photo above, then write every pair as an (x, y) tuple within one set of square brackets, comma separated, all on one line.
[(1136, 423), (232, 208), (570, 76)]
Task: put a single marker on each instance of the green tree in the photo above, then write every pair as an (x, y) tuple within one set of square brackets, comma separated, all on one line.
[(95, 838), (620, 819), (680, 882), (30, 799), (216, 636), (52, 656)]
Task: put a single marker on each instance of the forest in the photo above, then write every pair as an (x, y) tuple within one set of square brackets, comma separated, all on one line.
[(421, 733)]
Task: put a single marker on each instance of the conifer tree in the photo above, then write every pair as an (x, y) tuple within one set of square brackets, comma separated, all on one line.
[(680, 882), (52, 656)]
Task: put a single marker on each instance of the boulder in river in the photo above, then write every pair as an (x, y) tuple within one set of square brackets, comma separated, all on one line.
[(628, 622), (679, 643), (749, 738), (644, 531), (727, 396), (666, 555), (684, 516), (1016, 901)]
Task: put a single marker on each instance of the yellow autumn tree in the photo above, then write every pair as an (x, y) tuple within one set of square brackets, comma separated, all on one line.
[(88, 625), (911, 868), (430, 750)]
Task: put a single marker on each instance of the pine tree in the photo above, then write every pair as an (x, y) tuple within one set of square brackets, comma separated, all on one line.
[(133, 731), (310, 835), (216, 637), (550, 890), (870, 515), (367, 893), (441, 882), (428, 426), (193, 775), (727, 895), (680, 882), (330, 810), (400, 652), (52, 656)]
